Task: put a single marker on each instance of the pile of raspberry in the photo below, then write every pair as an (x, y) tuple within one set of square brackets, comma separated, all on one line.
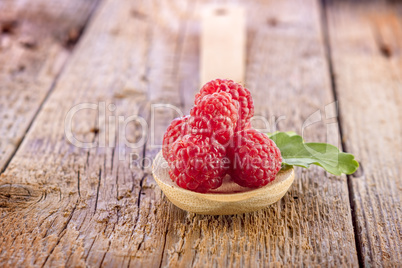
[(216, 140)]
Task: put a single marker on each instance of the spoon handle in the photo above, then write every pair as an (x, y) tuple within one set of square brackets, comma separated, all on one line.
[(222, 43)]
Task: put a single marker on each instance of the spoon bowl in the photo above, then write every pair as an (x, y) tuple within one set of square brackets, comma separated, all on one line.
[(228, 199)]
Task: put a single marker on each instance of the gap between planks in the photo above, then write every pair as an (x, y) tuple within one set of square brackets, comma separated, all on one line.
[(328, 53)]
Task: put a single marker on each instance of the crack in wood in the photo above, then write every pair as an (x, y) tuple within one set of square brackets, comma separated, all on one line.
[(164, 245), (78, 184), (325, 32), (51, 225), (90, 248), (97, 190), (60, 234), (104, 255), (50, 214), (69, 218), (117, 184), (96, 135)]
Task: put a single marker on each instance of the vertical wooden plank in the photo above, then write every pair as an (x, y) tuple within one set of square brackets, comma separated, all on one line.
[(79, 206), (366, 45), (36, 39)]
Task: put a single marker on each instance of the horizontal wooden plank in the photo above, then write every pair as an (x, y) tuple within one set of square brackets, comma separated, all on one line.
[(365, 40), (36, 38)]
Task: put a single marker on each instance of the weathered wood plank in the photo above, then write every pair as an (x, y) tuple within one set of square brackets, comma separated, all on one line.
[(83, 207), (77, 206), (36, 38), (366, 45)]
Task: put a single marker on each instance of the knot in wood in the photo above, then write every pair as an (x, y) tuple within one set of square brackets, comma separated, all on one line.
[(14, 195)]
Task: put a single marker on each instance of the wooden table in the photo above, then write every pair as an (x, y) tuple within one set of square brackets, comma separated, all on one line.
[(62, 205)]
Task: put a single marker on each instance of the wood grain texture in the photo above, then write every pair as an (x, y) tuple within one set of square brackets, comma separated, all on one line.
[(79, 207), (101, 207), (36, 38), (366, 45)]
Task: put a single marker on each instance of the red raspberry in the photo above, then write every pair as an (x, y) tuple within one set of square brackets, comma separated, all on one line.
[(177, 129), (197, 164), (239, 94), (255, 159), (214, 116)]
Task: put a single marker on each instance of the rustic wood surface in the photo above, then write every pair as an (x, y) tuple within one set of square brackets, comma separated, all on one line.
[(36, 38), (366, 46), (61, 205)]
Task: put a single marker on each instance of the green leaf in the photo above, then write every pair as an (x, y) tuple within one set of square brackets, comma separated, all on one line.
[(296, 152)]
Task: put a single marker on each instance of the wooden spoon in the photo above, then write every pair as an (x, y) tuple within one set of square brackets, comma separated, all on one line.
[(228, 199)]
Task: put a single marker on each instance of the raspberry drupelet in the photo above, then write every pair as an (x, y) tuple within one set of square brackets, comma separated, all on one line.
[(215, 116), (238, 93), (197, 163), (176, 130), (255, 159)]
